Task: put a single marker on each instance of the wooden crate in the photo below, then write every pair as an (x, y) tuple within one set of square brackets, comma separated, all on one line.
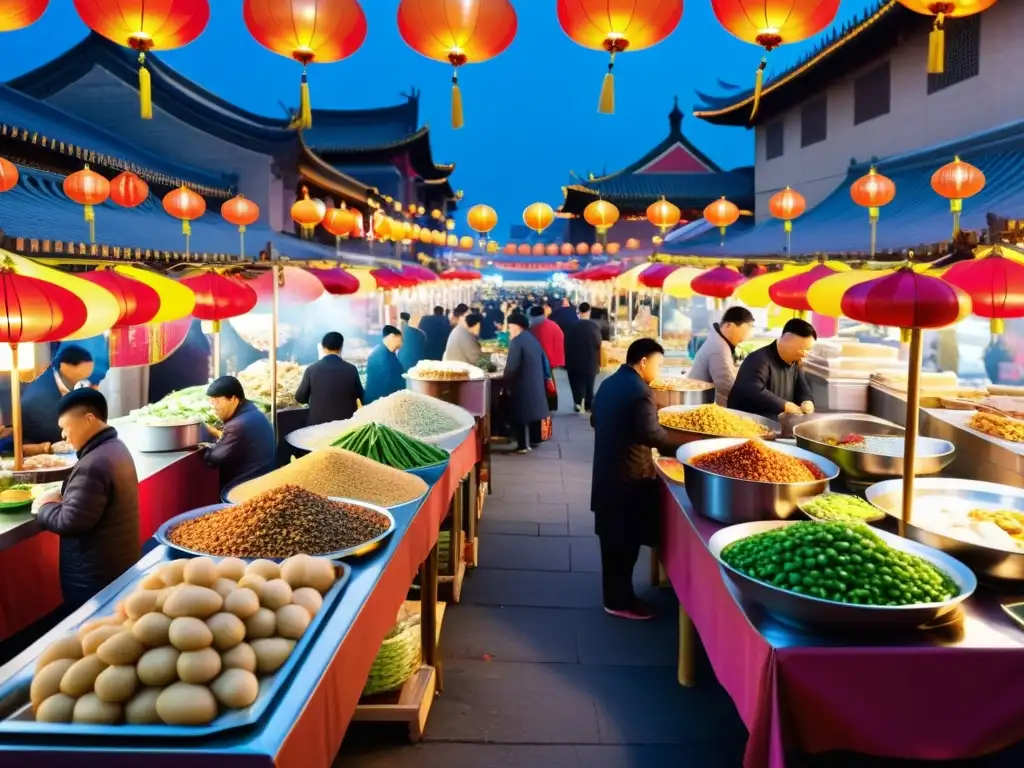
[(455, 579)]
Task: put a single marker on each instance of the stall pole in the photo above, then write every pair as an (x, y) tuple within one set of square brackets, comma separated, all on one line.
[(661, 315), (614, 312), (910, 438), (16, 409), (216, 349), (275, 310)]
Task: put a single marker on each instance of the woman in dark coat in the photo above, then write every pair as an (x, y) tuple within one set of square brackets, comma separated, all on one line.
[(524, 383)]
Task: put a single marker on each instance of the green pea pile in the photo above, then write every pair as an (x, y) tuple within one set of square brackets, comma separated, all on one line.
[(839, 562)]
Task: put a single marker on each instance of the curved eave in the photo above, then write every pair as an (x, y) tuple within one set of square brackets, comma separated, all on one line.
[(415, 145), (406, 113), (863, 42), (316, 171)]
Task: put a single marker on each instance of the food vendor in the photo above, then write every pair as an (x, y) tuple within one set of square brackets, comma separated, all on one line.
[(246, 446), (770, 381), (437, 328), (715, 361), (464, 342), (331, 386), (524, 383), (71, 369), (383, 368), (96, 512), (624, 492), (414, 343)]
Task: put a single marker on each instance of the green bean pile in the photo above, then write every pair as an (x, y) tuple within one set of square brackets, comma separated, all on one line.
[(839, 562), (390, 447)]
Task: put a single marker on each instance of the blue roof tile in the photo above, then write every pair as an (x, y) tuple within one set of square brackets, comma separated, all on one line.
[(698, 187)]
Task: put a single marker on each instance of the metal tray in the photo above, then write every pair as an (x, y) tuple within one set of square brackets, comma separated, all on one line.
[(48, 475), (817, 612), (163, 438), (985, 561), (356, 551), (687, 435), (16, 711)]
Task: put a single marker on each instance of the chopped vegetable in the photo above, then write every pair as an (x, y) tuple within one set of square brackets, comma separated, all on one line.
[(840, 507), (390, 447)]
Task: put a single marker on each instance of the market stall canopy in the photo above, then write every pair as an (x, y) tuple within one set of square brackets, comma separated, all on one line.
[(655, 274), (826, 295), (629, 280), (678, 284), (754, 292), (463, 275), (422, 274), (136, 301), (176, 300), (390, 280), (297, 286), (337, 281), (220, 297), (791, 293), (718, 282)]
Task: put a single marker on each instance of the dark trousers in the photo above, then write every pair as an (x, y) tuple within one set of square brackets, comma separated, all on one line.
[(582, 385), (526, 434), (618, 559)]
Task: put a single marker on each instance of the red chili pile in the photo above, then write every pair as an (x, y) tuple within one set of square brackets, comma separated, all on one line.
[(753, 460)]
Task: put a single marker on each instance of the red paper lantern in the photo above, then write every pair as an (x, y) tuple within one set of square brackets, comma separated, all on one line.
[(19, 14), (137, 302), (956, 182), (551, 249), (538, 249), (538, 216), (34, 310), (601, 215), (567, 249), (596, 249), (582, 249), (995, 285), (240, 211), (722, 214), (438, 237), (612, 249), (632, 244), (146, 26), (482, 219), (771, 23), (791, 292), (466, 243), (509, 249), (296, 287), (339, 221), (654, 276), (308, 213), (308, 32), (466, 32), (787, 204), (182, 203), (8, 175), (663, 214), (614, 27), (718, 282), (906, 299), (872, 191), (940, 10), (523, 249), (220, 297), (337, 281), (88, 189), (128, 190)]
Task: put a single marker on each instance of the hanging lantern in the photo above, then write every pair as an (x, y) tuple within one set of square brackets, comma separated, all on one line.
[(582, 249), (791, 292), (872, 192), (492, 246), (538, 249), (137, 303), (426, 235), (941, 10), (787, 204), (339, 222), (632, 244), (482, 219), (596, 249), (523, 250), (449, 224), (336, 281), (220, 297), (19, 14), (551, 249), (307, 32), (509, 249), (406, 229), (436, 214), (567, 249), (538, 216), (8, 175), (956, 182), (146, 27), (718, 282), (453, 241), (614, 27), (612, 248), (128, 190), (420, 210), (89, 189), (307, 214), (437, 237), (663, 214), (906, 299), (415, 231), (467, 32), (182, 203), (466, 243), (722, 214), (770, 23), (601, 215), (242, 213), (995, 285)]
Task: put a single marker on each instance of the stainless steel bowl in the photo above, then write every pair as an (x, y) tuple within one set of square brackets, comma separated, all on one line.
[(686, 435), (666, 398), (154, 437), (987, 562), (731, 500), (932, 455), (814, 611)]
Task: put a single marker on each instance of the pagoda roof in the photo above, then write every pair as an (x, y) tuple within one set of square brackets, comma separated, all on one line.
[(916, 219), (353, 129), (840, 51), (675, 168)]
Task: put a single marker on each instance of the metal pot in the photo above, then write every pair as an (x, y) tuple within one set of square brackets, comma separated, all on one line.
[(471, 394), (663, 398), (162, 438)]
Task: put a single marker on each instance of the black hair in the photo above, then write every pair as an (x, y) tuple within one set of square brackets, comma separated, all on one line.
[(333, 341), (518, 318), (642, 348), (461, 310), (73, 355), (738, 316), (390, 330), (226, 386), (404, 316), (800, 328), (87, 399), (473, 319), (438, 310), (584, 307), (537, 311)]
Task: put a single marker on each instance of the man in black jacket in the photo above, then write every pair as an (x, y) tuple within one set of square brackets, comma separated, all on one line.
[(582, 358), (96, 512), (624, 492), (770, 382), (246, 446), (436, 327), (331, 385)]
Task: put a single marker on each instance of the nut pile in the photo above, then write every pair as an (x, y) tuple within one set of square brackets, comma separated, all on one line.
[(281, 522), (679, 384), (338, 473), (753, 460), (188, 644), (711, 420)]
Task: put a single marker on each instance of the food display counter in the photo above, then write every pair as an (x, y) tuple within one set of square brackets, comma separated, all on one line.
[(169, 484)]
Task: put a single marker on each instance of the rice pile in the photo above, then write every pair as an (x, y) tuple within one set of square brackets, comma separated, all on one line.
[(416, 415), (338, 473)]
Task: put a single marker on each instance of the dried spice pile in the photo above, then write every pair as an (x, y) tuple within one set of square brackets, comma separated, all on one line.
[(753, 460), (712, 420), (282, 522), (338, 473)]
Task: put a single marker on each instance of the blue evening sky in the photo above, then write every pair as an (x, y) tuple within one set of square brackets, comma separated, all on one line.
[(531, 113)]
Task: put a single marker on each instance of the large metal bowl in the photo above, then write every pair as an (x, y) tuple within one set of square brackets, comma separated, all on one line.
[(813, 611), (686, 435), (987, 562), (863, 466), (731, 500), (666, 398)]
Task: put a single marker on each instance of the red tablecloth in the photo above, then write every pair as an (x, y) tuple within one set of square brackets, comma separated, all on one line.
[(944, 695)]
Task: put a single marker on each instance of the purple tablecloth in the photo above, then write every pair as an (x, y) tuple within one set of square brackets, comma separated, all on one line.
[(951, 693)]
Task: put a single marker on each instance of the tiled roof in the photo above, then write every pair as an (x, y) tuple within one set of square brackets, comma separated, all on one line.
[(340, 130), (696, 188), (917, 217)]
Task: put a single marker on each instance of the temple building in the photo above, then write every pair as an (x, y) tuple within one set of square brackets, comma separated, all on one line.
[(675, 169), (865, 98)]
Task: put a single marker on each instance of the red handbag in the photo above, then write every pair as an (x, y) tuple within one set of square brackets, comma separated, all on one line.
[(546, 429)]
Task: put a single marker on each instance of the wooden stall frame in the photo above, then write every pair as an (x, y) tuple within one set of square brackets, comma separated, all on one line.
[(456, 570)]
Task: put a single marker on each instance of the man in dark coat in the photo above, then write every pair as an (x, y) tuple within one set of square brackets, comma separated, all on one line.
[(436, 327), (582, 358), (383, 369), (624, 492), (40, 401), (414, 343), (523, 381), (564, 315), (770, 381), (96, 511), (330, 386), (246, 446)]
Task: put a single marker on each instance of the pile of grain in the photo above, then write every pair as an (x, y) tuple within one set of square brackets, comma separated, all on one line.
[(711, 420), (416, 415), (280, 523), (753, 460), (338, 473)]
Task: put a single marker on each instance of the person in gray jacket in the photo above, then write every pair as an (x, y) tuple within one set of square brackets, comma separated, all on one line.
[(464, 342), (96, 511), (715, 361)]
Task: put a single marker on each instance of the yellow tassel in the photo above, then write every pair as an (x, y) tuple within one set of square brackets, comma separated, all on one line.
[(904, 335), (145, 90), (606, 102), (758, 85), (458, 120), (90, 214), (788, 226), (997, 325), (186, 228), (937, 48), (305, 108)]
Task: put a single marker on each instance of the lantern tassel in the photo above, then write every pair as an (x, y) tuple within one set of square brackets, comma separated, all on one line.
[(90, 217), (937, 47), (458, 120), (145, 89), (241, 241), (305, 120), (873, 214), (997, 325), (606, 102), (758, 86)]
